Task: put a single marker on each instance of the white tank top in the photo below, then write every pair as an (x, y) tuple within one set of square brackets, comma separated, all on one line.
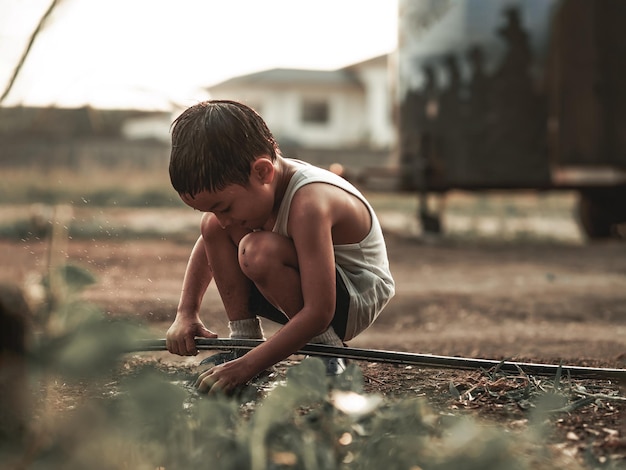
[(364, 266)]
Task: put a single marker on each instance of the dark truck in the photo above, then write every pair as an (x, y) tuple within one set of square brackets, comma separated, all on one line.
[(529, 94)]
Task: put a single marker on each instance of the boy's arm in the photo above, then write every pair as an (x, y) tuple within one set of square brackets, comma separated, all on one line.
[(187, 324)]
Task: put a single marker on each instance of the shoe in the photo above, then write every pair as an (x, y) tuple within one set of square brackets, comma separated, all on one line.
[(334, 365), (222, 358)]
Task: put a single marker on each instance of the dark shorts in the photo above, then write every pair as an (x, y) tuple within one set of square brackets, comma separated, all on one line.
[(260, 306)]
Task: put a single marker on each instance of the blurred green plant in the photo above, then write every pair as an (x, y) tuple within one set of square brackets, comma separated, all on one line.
[(302, 423)]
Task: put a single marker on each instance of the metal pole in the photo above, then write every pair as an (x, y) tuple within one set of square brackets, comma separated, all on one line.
[(396, 357)]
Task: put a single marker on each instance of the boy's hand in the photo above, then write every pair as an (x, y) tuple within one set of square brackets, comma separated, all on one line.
[(225, 377), (180, 337)]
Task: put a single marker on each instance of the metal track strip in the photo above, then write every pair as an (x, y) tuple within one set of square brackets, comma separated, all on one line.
[(396, 357)]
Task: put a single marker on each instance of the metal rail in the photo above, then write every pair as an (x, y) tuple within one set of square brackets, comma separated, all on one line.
[(396, 357)]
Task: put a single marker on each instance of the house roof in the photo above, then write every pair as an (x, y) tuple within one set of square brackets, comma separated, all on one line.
[(378, 60), (279, 76)]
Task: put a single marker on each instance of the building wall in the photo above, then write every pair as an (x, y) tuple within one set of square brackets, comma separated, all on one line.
[(360, 105), (378, 106), (282, 108)]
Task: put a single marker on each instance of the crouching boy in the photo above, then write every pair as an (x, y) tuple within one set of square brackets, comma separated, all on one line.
[(282, 239)]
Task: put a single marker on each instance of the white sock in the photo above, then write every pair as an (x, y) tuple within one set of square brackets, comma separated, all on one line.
[(329, 337), (248, 328)]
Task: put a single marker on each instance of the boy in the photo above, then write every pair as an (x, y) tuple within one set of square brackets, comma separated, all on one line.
[(281, 238)]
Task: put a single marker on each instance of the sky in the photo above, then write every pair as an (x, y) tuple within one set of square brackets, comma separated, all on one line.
[(151, 53)]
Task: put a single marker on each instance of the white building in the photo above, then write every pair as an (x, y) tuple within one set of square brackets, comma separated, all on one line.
[(339, 109)]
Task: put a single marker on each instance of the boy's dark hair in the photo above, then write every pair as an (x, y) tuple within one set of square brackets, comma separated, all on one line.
[(213, 144)]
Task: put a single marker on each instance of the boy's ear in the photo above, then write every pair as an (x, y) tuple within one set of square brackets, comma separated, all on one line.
[(262, 169)]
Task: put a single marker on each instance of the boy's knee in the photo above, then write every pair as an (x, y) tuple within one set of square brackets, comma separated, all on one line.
[(210, 226), (256, 252), (212, 231)]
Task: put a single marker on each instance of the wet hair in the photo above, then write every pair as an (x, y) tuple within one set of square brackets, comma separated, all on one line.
[(213, 144)]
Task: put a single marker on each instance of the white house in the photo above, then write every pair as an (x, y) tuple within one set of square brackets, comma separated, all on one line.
[(345, 108)]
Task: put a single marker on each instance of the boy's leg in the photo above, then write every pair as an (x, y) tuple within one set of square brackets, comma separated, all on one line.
[(334, 334), (236, 256), (261, 307), (270, 260), (233, 286)]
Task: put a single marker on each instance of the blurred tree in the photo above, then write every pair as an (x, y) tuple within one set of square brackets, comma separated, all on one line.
[(19, 65)]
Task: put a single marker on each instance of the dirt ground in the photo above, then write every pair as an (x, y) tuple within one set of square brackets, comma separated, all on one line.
[(527, 302), (536, 301)]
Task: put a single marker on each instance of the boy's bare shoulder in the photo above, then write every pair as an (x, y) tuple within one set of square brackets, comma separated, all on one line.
[(331, 206), (320, 196)]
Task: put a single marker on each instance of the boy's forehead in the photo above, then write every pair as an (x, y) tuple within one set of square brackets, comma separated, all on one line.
[(204, 196)]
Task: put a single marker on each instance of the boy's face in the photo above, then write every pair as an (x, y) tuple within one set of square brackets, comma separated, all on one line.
[(249, 207)]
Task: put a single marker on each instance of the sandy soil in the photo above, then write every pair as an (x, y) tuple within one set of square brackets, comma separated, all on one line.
[(531, 301), (544, 301)]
